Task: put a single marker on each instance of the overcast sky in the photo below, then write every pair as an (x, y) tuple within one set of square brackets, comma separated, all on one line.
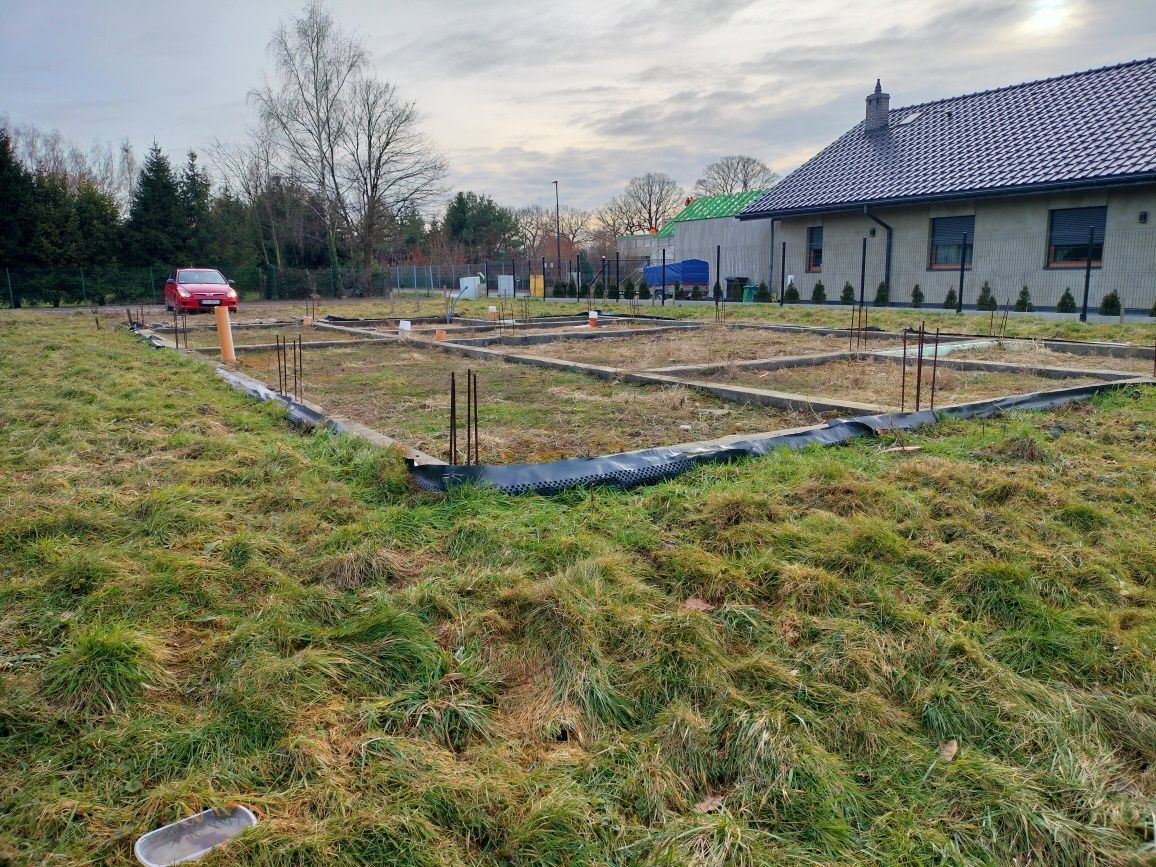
[(519, 93)]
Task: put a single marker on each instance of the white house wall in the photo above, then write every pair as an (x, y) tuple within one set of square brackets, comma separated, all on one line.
[(745, 246), (1010, 249)]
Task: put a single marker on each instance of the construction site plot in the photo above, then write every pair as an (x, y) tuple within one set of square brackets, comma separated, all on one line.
[(706, 345), (525, 413), (1039, 355), (879, 382)]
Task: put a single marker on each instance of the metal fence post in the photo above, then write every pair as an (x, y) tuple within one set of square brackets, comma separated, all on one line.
[(1088, 274), (11, 294), (962, 269)]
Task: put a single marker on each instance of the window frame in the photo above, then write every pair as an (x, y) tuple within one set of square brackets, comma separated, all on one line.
[(1051, 263), (967, 254), (813, 266)]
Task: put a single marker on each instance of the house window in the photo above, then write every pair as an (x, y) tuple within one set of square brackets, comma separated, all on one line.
[(814, 249), (947, 243), (1068, 237)]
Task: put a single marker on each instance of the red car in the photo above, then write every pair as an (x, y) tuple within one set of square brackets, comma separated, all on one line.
[(199, 289)]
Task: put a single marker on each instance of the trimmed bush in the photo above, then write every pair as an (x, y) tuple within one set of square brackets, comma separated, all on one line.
[(950, 300), (559, 289), (628, 291), (572, 289), (819, 294), (1024, 301), (848, 296), (916, 296), (1152, 312), (791, 296), (643, 289), (1067, 302), (882, 295), (1110, 304), (717, 291), (986, 299), (613, 294), (599, 292), (763, 294)]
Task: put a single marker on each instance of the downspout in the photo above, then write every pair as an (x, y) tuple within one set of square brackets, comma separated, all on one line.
[(887, 260), (771, 275)]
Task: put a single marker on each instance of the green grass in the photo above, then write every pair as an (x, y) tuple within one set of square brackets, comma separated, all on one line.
[(200, 605)]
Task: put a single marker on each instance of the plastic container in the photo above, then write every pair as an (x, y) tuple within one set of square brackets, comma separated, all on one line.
[(191, 838), (404, 327), (492, 313), (593, 318), (440, 334)]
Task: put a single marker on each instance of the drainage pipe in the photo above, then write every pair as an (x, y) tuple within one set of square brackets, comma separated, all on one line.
[(887, 260)]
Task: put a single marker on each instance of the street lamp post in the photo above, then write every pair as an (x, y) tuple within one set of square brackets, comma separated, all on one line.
[(557, 230)]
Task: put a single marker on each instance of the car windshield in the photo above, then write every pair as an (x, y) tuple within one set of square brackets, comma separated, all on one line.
[(201, 275)]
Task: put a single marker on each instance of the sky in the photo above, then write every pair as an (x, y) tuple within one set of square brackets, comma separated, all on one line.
[(517, 94)]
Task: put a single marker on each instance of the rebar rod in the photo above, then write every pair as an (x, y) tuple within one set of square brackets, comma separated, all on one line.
[(934, 368), (453, 418), (469, 416), (903, 376), (851, 331), (919, 369), (477, 442)]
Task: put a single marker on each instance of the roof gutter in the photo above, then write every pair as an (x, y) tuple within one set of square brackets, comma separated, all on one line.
[(887, 262)]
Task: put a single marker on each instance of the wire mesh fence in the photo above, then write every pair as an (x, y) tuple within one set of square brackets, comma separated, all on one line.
[(1021, 271)]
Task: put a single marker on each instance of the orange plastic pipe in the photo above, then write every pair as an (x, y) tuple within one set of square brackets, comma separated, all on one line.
[(225, 335)]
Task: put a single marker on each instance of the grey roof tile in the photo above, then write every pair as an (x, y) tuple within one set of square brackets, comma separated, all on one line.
[(1087, 126)]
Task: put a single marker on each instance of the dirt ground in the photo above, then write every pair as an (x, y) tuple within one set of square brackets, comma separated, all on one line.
[(880, 382), (526, 413), (708, 344), (1029, 352)]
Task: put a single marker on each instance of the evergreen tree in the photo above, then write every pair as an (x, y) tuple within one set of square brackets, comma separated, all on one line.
[(791, 296), (229, 239), (98, 227), (1152, 312), (1067, 302), (819, 293), (882, 295), (950, 300), (55, 234), (1024, 301), (1110, 304), (16, 207), (916, 296), (195, 194), (763, 293), (986, 299), (156, 229), (848, 295)]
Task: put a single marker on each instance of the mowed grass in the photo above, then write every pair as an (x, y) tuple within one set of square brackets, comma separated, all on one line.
[(526, 414), (200, 605)]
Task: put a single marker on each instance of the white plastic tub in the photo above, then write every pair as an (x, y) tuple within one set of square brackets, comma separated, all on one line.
[(191, 838)]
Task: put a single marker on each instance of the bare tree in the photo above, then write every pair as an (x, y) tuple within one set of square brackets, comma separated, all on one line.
[(647, 202), (387, 163), (248, 170), (575, 225), (734, 174), (535, 225), (347, 135)]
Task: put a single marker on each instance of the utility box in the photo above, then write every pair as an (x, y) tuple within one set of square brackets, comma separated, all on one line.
[(506, 285), (469, 288), (537, 286)]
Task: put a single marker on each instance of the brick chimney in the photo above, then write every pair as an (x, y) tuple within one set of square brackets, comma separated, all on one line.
[(878, 105)]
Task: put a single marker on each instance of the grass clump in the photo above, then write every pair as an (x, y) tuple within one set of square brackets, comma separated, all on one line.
[(102, 667)]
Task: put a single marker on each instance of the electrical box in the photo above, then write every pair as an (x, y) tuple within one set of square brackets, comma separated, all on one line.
[(506, 285), (537, 286)]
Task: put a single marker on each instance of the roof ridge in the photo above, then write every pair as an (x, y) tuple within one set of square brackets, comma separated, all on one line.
[(1020, 84)]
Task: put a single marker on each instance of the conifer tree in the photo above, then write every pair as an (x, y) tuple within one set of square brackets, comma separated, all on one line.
[(156, 230)]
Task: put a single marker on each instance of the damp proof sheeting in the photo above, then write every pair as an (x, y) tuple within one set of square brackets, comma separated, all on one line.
[(653, 465), (526, 413), (1038, 355), (879, 381)]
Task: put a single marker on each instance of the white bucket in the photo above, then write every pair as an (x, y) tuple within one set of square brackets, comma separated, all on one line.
[(404, 328), (191, 837)]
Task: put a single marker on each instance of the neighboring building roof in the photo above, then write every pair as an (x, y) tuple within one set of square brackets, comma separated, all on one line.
[(1084, 129), (705, 208), (712, 207)]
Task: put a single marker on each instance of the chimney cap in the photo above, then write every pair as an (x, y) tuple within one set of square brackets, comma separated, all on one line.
[(878, 86)]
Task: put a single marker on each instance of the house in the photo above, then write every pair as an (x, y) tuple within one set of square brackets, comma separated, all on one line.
[(706, 229), (1018, 186)]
